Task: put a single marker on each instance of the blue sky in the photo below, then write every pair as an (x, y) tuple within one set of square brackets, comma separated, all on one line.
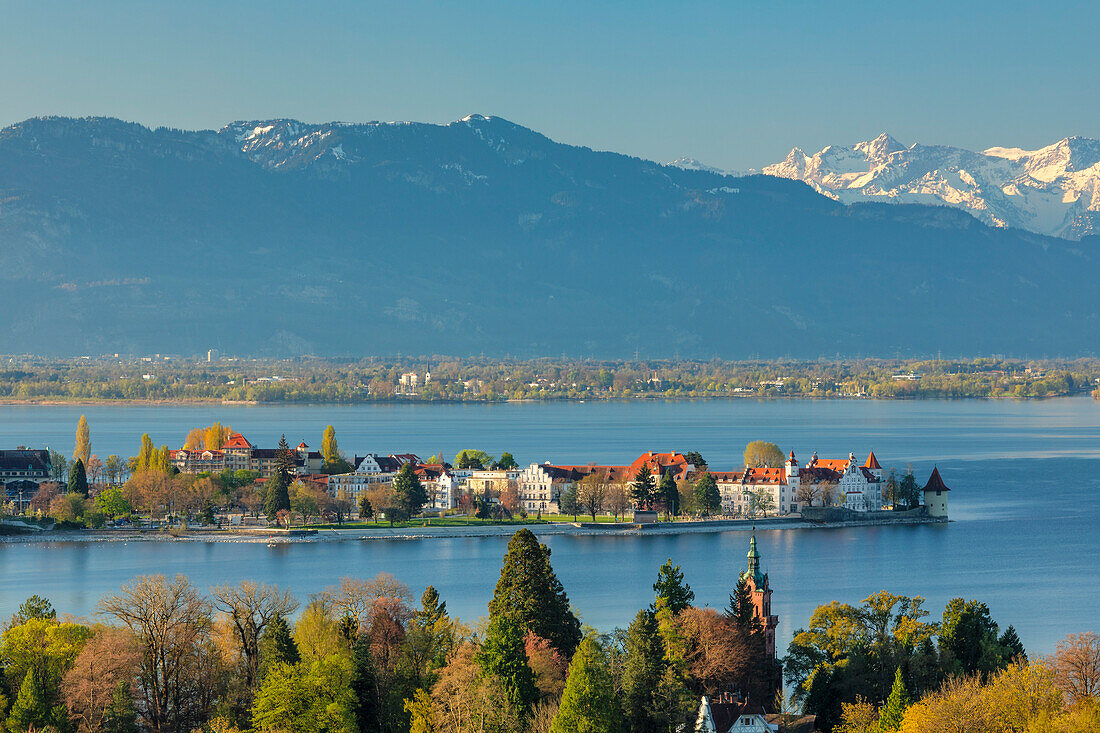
[(734, 84)]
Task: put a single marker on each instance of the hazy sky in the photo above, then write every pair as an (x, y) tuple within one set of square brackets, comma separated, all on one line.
[(734, 84)]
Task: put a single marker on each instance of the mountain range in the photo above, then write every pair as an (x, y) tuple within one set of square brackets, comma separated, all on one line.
[(279, 238), (1054, 190)]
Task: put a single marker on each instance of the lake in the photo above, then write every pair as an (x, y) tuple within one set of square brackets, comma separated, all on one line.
[(1023, 536)]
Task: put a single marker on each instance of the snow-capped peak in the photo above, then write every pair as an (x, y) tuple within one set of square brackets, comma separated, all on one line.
[(1054, 190)]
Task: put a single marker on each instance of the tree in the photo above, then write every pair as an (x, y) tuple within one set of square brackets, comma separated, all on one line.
[(643, 489), (120, 715), (432, 609), (891, 492), (277, 646), (83, 450), (1013, 647), (592, 493), (504, 656), (507, 462), (761, 501), (642, 672), (112, 503), (470, 458), (108, 659), (364, 688), (330, 451), (1076, 665), (33, 710), (708, 500), (305, 699), (366, 511), (897, 703), (588, 704), (569, 502), (671, 587), (59, 467), (617, 499), (827, 491), (759, 453), (114, 469), (970, 635), (170, 619), (909, 490), (41, 649), (410, 491), (35, 607), (530, 594), (696, 459), (741, 609), (669, 494), (251, 607), (94, 469), (278, 495), (78, 479)]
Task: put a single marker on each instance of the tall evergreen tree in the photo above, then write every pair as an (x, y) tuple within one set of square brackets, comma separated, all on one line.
[(277, 646), (669, 493), (83, 449), (364, 688), (741, 610), (530, 594), (33, 708), (504, 656), (78, 479), (643, 489), (410, 490), (277, 498), (120, 715), (642, 672), (708, 500), (588, 703), (1013, 647), (895, 706), (671, 587), (432, 609)]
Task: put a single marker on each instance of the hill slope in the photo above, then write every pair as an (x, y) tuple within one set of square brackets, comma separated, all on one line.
[(481, 236)]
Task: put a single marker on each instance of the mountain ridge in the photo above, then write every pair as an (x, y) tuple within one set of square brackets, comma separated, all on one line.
[(277, 237)]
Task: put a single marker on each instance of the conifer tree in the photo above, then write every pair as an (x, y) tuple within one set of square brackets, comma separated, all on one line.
[(530, 594), (277, 646), (278, 496), (120, 715), (78, 479), (707, 497), (364, 688), (1013, 647), (643, 489), (669, 493), (32, 709), (432, 609), (642, 672), (588, 704), (893, 710), (410, 490), (83, 449), (504, 656), (671, 587), (741, 610)]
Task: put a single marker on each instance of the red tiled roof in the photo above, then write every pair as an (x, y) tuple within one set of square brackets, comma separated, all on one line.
[(236, 440), (872, 462), (935, 483)]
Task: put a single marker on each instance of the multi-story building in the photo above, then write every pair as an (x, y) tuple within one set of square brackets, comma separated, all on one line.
[(443, 488), (22, 471), (239, 454), (370, 470)]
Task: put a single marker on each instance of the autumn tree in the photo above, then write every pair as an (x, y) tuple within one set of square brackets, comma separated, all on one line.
[(618, 500), (330, 451), (1076, 665), (530, 594), (83, 450), (109, 659), (760, 453)]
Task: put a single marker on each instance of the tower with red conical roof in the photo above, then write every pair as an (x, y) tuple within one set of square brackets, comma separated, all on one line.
[(935, 495)]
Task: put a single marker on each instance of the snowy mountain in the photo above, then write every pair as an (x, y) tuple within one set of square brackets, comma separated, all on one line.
[(1054, 190)]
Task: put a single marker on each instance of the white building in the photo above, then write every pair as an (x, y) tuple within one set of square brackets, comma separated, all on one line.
[(727, 715)]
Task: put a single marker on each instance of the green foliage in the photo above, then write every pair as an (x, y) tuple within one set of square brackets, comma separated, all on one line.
[(1013, 647), (741, 610), (643, 669), (909, 490), (35, 708), (277, 496), (696, 459), (506, 461), (35, 607), (643, 490), (588, 704), (410, 491), (120, 715), (112, 503), (569, 502), (670, 587), (314, 698), (503, 656), (364, 689), (330, 451), (708, 500), (669, 494), (78, 479), (470, 458), (277, 646), (897, 703), (969, 637), (432, 609), (531, 596)]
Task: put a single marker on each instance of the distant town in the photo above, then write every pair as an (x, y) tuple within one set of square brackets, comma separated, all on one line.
[(219, 477), (216, 377)]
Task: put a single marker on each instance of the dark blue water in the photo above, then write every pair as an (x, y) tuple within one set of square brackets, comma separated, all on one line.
[(1024, 538)]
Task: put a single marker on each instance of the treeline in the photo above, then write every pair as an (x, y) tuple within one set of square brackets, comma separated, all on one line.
[(346, 381), (361, 656), (884, 666)]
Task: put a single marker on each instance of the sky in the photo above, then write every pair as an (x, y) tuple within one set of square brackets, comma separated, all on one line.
[(733, 84)]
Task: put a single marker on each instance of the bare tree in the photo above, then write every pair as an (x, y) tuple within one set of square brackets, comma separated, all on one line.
[(592, 493), (827, 491), (251, 607), (807, 493), (169, 618), (356, 598), (1076, 665), (110, 657), (618, 499)]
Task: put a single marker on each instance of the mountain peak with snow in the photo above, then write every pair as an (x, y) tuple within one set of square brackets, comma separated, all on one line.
[(1053, 190)]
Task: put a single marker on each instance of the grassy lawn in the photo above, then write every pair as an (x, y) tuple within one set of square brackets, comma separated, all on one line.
[(425, 522)]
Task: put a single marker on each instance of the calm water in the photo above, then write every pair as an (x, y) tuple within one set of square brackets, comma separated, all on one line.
[(1025, 477)]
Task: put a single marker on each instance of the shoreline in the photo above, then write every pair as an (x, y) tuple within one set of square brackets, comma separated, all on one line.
[(297, 536)]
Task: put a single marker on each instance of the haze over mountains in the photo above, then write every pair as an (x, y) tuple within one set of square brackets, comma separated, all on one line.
[(481, 236), (1054, 190)]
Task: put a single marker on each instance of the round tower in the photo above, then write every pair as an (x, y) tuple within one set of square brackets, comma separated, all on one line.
[(935, 495)]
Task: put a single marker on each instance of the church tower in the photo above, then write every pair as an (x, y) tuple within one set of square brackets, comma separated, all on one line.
[(757, 582)]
